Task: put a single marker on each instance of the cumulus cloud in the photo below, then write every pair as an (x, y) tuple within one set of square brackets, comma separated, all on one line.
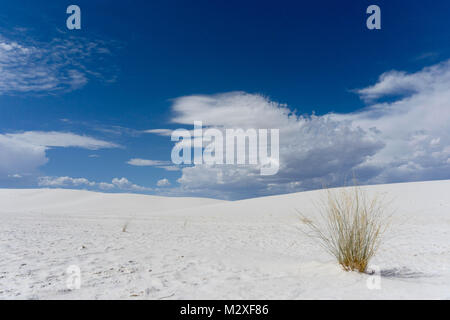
[(64, 181), (125, 184), (414, 127), (407, 139), (62, 64), (19, 157), (22, 153), (231, 110), (120, 184), (313, 150), (426, 81), (163, 183)]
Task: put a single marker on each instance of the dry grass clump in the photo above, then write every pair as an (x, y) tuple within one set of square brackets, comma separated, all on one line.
[(350, 227), (125, 226)]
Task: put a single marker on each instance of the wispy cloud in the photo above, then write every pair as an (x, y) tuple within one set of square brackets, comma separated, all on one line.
[(430, 56), (161, 132), (166, 165), (147, 163), (170, 168), (59, 139), (62, 64)]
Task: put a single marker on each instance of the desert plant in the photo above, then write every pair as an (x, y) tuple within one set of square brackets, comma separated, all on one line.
[(350, 226), (125, 226)]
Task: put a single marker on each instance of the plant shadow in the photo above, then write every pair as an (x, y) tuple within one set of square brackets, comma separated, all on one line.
[(402, 273)]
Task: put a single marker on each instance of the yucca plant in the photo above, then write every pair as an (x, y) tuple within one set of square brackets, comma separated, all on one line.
[(350, 226)]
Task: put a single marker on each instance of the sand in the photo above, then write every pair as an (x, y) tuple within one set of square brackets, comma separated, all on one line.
[(193, 248)]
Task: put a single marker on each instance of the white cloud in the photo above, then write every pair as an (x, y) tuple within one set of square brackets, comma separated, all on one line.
[(22, 153), (62, 64), (64, 181), (59, 139), (234, 109), (105, 185), (415, 128), (404, 140), (430, 79), (18, 157), (124, 184), (15, 176), (170, 168), (161, 132), (166, 165), (146, 163), (313, 150), (121, 184), (163, 183)]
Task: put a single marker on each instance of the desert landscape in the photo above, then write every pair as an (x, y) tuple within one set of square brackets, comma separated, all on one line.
[(130, 246)]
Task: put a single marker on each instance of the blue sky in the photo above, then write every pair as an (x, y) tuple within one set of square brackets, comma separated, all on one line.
[(75, 104)]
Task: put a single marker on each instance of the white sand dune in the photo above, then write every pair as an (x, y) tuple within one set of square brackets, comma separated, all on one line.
[(191, 248)]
